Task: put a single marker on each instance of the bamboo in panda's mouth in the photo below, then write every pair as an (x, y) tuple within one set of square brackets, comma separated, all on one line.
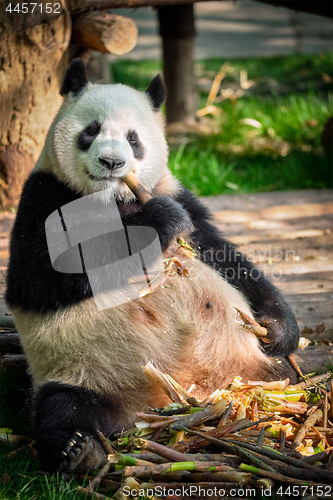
[(137, 189)]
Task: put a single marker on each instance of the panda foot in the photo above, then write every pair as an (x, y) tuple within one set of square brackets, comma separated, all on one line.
[(78, 448)]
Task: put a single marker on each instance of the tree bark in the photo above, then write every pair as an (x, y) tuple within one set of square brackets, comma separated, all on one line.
[(178, 31), (31, 67)]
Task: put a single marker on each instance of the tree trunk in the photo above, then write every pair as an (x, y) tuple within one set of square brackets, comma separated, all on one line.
[(177, 31), (32, 64)]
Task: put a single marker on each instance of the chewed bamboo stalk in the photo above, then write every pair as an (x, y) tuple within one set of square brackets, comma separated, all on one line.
[(309, 422), (161, 380), (317, 457), (276, 476), (13, 453), (246, 318), (159, 449), (225, 473), (282, 406), (276, 385), (226, 414), (259, 331), (121, 459), (265, 483), (189, 399), (276, 455), (313, 381), (201, 416), (148, 417), (106, 445), (89, 491), (140, 192)]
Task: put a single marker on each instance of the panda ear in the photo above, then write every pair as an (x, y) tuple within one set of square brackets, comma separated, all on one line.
[(156, 92), (75, 78)]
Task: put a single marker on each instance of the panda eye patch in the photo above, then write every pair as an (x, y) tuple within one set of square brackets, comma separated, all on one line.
[(136, 144), (88, 135)]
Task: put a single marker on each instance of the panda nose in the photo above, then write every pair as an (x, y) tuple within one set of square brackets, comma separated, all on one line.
[(111, 163)]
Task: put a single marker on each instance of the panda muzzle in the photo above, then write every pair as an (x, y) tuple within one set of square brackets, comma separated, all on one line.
[(111, 163)]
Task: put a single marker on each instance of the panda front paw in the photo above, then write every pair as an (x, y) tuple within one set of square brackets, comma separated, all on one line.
[(282, 334), (81, 454), (168, 217)]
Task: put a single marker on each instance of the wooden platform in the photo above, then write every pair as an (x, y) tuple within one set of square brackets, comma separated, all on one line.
[(289, 235)]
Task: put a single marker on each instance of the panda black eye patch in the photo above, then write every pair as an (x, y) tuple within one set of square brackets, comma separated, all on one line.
[(136, 144), (88, 135)]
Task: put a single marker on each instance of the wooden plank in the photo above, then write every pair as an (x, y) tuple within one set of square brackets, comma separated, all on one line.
[(305, 287), (314, 358), (282, 268), (275, 213), (317, 242), (258, 201), (314, 277), (274, 229), (244, 239)]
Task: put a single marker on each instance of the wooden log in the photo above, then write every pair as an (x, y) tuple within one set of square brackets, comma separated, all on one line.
[(7, 322), (14, 359), (105, 32), (9, 339)]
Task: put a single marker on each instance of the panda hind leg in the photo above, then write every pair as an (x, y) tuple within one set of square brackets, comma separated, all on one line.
[(66, 421), (278, 368)]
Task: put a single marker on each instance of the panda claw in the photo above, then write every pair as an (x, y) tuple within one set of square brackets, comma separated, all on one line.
[(77, 450)]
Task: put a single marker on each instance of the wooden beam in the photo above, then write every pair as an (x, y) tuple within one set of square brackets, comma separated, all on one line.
[(105, 32), (177, 31), (85, 5), (319, 7)]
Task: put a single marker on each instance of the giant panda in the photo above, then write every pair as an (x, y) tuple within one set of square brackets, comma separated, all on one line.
[(86, 363)]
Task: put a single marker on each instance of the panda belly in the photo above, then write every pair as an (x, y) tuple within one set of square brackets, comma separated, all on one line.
[(188, 327), (87, 371)]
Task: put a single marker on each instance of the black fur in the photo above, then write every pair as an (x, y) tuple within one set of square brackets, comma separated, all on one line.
[(136, 144), (88, 135), (75, 78), (59, 410), (30, 262), (157, 93)]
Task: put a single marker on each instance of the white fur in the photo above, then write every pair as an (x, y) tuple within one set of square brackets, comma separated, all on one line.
[(118, 109)]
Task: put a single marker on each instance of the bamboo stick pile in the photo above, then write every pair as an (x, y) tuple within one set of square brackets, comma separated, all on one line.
[(261, 437)]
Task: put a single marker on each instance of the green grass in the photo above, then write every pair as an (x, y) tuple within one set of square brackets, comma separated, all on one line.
[(27, 484), (291, 101)]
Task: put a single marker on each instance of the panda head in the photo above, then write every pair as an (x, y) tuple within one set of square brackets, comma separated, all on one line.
[(102, 132)]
